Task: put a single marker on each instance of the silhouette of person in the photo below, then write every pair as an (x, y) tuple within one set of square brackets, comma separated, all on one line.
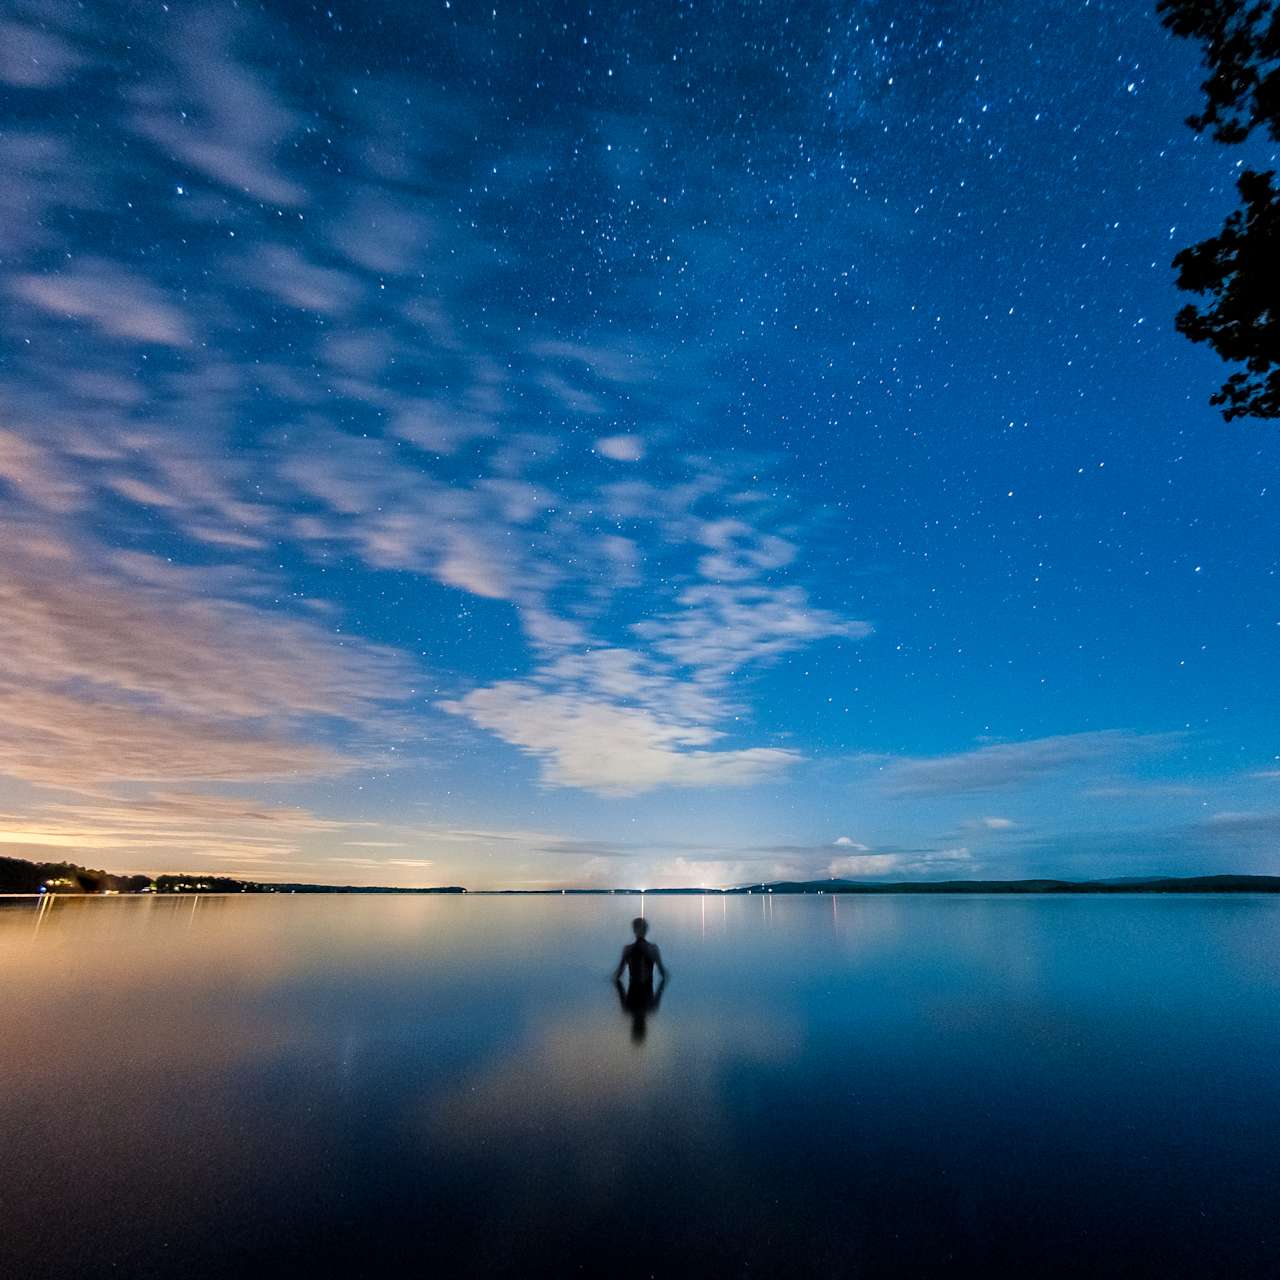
[(639, 998)]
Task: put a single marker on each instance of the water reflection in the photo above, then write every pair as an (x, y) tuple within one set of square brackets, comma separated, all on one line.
[(839, 1088), (639, 1000)]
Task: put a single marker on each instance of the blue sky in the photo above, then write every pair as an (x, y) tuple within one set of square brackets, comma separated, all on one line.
[(547, 445)]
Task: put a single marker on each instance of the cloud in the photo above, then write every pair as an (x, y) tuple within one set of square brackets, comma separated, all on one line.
[(217, 114), (1226, 842), (621, 448), (953, 862), (164, 646), (147, 676), (625, 676), (35, 475), (609, 748), (999, 765), (719, 629), (346, 383), (34, 59), (287, 274), (740, 552), (847, 842), (158, 830), (63, 739), (118, 303), (1241, 822), (1136, 790), (398, 518)]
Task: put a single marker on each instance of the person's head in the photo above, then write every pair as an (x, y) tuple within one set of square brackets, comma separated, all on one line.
[(639, 926)]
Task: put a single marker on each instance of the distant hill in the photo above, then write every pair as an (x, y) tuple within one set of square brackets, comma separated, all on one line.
[(1130, 884)]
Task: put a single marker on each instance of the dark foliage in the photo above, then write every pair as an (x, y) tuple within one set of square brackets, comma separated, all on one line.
[(19, 876), (1237, 269)]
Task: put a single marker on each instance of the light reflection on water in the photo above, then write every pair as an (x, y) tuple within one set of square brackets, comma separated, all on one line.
[(830, 1086)]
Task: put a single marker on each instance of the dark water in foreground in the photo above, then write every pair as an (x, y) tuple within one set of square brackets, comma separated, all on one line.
[(437, 1086)]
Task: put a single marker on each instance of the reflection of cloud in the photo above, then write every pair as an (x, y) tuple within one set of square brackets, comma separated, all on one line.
[(1007, 764), (578, 1079)]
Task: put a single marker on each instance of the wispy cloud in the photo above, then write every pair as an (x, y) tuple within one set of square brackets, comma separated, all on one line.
[(955, 862), (161, 830), (119, 304), (31, 58), (215, 113), (149, 676), (717, 630), (1006, 764), (1228, 841), (614, 749), (291, 384)]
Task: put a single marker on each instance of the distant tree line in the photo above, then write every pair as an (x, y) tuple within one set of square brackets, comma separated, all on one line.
[(20, 876), (17, 875), (1238, 270)]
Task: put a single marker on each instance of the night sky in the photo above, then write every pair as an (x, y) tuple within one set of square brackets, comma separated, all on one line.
[(542, 444)]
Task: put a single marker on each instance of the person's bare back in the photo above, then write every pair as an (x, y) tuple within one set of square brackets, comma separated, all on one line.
[(639, 998), (640, 958)]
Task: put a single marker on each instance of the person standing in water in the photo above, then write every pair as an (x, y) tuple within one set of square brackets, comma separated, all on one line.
[(640, 958)]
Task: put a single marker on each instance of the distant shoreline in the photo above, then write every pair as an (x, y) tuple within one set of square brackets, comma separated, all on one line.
[(19, 877)]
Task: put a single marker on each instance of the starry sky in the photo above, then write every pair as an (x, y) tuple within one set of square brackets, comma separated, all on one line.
[(540, 444)]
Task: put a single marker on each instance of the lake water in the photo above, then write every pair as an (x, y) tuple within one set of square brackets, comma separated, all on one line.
[(848, 1086)]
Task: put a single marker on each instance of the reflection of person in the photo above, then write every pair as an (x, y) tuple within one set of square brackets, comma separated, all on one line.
[(639, 998)]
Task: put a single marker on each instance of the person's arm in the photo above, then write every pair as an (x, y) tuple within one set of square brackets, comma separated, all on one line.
[(657, 963), (622, 964)]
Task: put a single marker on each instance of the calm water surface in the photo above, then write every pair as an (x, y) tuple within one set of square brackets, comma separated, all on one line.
[(831, 1086)]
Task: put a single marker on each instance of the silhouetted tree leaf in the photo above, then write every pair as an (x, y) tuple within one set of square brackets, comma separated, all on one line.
[(1237, 269)]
